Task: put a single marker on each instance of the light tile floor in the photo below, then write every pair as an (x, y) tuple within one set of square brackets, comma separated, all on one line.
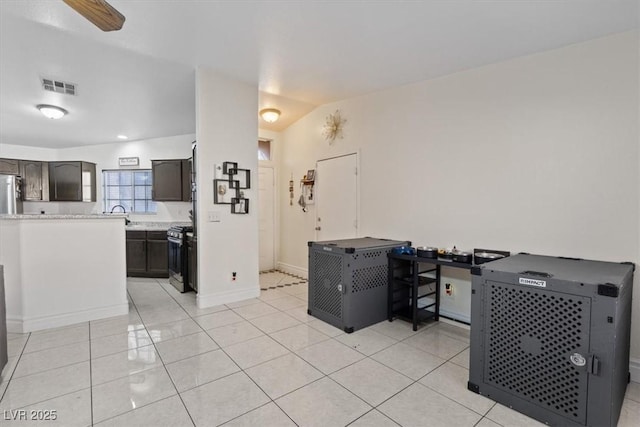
[(262, 362)]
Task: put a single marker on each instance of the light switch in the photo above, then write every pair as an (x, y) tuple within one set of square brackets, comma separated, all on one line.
[(214, 216)]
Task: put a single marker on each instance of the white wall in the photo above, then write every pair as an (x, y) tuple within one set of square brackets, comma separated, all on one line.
[(537, 154), (9, 151), (105, 156), (226, 130)]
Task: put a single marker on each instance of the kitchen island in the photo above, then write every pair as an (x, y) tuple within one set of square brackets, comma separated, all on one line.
[(62, 269)]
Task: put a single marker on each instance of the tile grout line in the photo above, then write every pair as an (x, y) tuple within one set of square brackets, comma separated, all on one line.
[(230, 358), (253, 381), (437, 367), (50, 398), (15, 367), (242, 370), (370, 411), (164, 365), (119, 378), (289, 351), (48, 369), (404, 388), (91, 373)]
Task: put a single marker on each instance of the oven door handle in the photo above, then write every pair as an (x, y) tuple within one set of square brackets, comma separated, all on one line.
[(174, 240)]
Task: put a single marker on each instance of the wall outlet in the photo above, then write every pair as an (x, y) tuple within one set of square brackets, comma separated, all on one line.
[(214, 216), (233, 276)]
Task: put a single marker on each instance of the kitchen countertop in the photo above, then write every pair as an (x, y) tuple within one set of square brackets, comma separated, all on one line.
[(155, 225), (61, 216)]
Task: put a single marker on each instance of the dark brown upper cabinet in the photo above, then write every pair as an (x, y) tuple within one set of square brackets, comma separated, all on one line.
[(171, 180), (72, 182), (35, 180), (9, 167)]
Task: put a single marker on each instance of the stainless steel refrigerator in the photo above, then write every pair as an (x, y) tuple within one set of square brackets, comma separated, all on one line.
[(10, 194)]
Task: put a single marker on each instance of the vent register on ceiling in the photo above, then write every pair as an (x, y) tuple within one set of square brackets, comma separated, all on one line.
[(58, 86)]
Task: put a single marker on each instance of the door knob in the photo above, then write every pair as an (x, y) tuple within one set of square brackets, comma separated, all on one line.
[(318, 228)]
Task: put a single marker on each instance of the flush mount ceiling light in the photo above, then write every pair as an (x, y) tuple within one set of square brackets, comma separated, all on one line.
[(51, 111), (270, 115), (122, 137)]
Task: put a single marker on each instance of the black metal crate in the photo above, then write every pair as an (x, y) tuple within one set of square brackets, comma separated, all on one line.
[(348, 281), (550, 337)]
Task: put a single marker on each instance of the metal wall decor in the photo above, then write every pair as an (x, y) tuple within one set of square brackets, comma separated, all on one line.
[(229, 191), (333, 125)]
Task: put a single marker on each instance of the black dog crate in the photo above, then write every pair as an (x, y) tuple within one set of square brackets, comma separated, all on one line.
[(348, 281), (550, 337)]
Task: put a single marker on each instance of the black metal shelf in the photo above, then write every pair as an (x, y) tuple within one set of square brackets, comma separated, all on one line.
[(435, 261), (422, 314), (406, 278), (422, 280)]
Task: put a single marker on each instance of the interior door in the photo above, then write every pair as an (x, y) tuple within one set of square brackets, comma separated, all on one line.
[(266, 218), (336, 193)]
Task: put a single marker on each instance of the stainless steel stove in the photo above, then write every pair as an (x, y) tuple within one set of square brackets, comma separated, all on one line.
[(178, 262)]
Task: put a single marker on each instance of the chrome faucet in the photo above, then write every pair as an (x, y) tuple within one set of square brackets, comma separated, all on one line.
[(123, 208)]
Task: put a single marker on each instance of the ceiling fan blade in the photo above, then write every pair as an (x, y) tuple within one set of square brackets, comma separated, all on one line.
[(99, 12)]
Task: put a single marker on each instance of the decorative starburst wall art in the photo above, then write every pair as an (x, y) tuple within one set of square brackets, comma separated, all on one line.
[(332, 128)]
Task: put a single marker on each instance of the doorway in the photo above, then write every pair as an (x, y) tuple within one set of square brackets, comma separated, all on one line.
[(336, 195), (266, 217)]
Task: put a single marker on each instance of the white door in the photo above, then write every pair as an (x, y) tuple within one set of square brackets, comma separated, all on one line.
[(266, 217), (336, 198)]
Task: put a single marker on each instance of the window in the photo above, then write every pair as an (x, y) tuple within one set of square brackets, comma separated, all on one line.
[(129, 188), (264, 149)]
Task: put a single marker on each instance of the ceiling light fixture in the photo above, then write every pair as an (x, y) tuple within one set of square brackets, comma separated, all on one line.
[(51, 111), (122, 137), (270, 115)]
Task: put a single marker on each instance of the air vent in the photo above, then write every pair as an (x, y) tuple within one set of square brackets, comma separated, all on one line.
[(59, 87)]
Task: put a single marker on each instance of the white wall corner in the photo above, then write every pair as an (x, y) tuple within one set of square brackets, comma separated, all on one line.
[(462, 317), (294, 270), (634, 368), (14, 325)]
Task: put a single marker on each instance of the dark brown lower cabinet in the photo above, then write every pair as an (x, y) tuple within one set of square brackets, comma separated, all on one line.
[(136, 253), (147, 254), (157, 254)]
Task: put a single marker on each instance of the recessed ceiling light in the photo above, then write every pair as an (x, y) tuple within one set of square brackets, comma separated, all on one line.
[(51, 111), (123, 137)]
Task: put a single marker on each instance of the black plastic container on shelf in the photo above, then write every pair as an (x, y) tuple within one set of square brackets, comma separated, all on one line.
[(427, 252)]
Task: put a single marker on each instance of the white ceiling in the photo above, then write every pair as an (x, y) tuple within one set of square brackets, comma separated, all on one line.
[(140, 81)]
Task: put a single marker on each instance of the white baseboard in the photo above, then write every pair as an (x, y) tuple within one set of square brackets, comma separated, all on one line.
[(634, 368), (226, 297), (453, 322), (457, 316), (14, 324), (292, 269), (32, 324)]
